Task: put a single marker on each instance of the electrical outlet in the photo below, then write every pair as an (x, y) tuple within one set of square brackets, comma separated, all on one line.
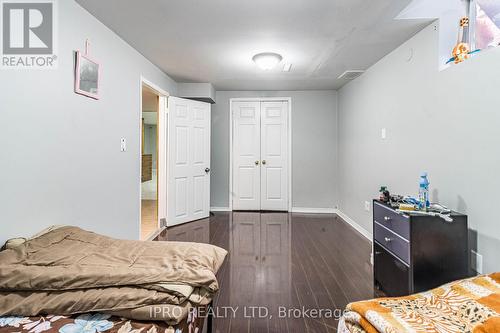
[(383, 133), (123, 145), (367, 206), (476, 262)]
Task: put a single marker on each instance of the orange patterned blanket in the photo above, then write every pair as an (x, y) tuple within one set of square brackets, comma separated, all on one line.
[(470, 305)]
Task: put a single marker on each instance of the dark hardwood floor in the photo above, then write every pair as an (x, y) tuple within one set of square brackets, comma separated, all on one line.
[(284, 265)]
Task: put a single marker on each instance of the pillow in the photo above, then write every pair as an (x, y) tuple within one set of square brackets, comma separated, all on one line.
[(14, 242)]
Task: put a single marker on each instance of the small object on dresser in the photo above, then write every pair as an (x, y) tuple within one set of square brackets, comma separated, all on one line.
[(423, 193), (406, 207), (385, 196)]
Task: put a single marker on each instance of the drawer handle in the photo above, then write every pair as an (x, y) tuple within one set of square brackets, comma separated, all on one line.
[(388, 240), (387, 218)]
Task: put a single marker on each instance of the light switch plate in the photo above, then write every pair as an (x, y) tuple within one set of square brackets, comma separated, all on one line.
[(384, 133), (123, 145), (367, 206)]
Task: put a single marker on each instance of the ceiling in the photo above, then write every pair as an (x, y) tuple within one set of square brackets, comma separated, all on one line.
[(214, 41)]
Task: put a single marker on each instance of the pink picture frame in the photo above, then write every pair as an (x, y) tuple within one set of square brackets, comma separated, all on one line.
[(87, 76)]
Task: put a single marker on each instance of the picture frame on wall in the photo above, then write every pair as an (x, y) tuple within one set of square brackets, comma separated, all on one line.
[(87, 76)]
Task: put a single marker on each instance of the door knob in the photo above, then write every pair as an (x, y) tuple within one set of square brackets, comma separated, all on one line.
[(207, 170), (264, 162), (256, 162)]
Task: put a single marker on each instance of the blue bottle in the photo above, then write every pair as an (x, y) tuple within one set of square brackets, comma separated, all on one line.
[(423, 193)]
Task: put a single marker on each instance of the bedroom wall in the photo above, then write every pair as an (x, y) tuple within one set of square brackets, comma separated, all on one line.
[(446, 123), (314, 142), (61, 161)]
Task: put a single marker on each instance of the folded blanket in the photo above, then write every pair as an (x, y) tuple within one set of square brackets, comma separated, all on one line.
[(470, 305), (68, 270)]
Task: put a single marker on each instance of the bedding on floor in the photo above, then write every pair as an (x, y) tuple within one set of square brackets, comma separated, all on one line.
[(96, 322), (470, 305), (68, 271)]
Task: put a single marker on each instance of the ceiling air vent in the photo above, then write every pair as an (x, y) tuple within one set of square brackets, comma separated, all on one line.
[(351, 75)]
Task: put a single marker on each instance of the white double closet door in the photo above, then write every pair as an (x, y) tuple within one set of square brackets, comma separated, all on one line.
[(260, 167), (188, 197)]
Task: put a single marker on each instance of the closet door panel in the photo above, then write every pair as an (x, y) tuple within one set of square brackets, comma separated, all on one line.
[(246, 156), (274, 155)]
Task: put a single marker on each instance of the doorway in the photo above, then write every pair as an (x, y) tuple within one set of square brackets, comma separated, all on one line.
[(260, 154), (149, 161)]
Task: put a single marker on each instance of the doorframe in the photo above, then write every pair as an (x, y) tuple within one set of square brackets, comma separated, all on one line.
[(161, 156), (260, 99)]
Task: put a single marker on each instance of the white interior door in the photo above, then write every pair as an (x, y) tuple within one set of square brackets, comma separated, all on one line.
[(246, 156), (274, 156), (188, 197), (260, 155)]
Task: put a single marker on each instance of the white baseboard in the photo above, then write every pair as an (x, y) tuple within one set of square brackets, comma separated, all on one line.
[(356, 226), (313, 210), (220, 209), (307, 210), (155, 233)]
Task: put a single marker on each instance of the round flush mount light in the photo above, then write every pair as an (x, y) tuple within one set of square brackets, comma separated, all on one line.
[(268, 60)]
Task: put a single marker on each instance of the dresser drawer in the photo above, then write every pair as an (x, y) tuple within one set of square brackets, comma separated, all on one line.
[(392, 242), (391, 275), (398, 223)]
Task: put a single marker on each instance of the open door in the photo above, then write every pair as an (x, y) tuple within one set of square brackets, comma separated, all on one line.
[(188, 196)]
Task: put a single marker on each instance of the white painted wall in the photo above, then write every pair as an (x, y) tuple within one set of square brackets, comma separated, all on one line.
[(314, 144), (199, 91), (61, 160), (449, 13), (446, 123)]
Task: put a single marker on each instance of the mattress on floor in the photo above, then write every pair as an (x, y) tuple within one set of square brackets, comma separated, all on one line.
[(69, 271), (469, 305)]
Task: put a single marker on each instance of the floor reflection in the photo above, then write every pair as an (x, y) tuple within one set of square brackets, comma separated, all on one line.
[(281, 264)]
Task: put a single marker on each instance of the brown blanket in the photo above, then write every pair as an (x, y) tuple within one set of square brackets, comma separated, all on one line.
[(69, 270)]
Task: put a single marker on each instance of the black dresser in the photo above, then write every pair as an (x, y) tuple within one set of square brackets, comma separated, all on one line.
[(415, 253)]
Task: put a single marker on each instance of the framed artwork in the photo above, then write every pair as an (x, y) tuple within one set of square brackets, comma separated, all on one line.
[(87, 75)]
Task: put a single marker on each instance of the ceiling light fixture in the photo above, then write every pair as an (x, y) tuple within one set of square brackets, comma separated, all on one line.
[(267, 61)]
